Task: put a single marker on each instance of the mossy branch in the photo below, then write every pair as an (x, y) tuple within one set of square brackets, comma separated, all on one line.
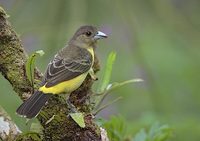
[(12, 66)]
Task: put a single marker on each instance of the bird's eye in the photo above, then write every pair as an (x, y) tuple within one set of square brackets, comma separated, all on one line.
[(88, 33)]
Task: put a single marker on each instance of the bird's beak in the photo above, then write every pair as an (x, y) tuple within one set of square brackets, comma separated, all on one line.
[(100, 35)]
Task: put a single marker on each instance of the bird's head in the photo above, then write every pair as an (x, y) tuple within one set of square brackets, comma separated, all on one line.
[(87, 36)]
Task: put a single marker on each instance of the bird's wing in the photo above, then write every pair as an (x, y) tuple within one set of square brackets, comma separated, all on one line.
[(60, 69)]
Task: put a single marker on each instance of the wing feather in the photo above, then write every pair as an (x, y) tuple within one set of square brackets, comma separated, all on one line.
[(60, 70)]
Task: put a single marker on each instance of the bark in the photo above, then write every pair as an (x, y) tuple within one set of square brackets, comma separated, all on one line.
[(8, 129), (61, 127)]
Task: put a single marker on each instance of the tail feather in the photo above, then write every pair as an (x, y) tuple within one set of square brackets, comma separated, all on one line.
[(32, 106)]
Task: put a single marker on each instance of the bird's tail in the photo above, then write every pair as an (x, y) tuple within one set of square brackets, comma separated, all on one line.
[(32, 106)]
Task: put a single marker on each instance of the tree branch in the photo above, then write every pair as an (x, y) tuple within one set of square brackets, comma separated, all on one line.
[(61, 127)]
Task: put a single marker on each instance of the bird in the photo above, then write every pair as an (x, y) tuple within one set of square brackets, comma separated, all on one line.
[(66, 71)]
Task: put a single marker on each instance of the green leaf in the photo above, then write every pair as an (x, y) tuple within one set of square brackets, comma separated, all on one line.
[(30, 65), (107, 72), (157, 132), (117, 85), (36, 127), (78, 118), (160, 132), (116, 128), (140, 136)]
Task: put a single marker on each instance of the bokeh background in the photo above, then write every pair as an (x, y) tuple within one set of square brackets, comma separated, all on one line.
[(156, 40)]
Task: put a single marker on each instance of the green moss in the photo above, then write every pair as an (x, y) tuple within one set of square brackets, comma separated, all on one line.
[(29, 136), (2, 11)]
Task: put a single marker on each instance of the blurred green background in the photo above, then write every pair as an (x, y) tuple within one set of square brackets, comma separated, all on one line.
[(156, 40)]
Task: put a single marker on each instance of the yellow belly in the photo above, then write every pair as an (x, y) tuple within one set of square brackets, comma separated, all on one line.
[(66, 86)]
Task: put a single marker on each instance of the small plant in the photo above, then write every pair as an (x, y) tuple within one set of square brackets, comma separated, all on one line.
[(157, 132), (30, 65), (119, 129), (106, 87)]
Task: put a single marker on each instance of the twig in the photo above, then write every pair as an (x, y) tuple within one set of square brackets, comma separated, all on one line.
[(106, 105), (112, 87)]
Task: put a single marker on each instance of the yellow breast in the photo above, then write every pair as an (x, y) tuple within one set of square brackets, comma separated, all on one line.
[(90, 49)]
